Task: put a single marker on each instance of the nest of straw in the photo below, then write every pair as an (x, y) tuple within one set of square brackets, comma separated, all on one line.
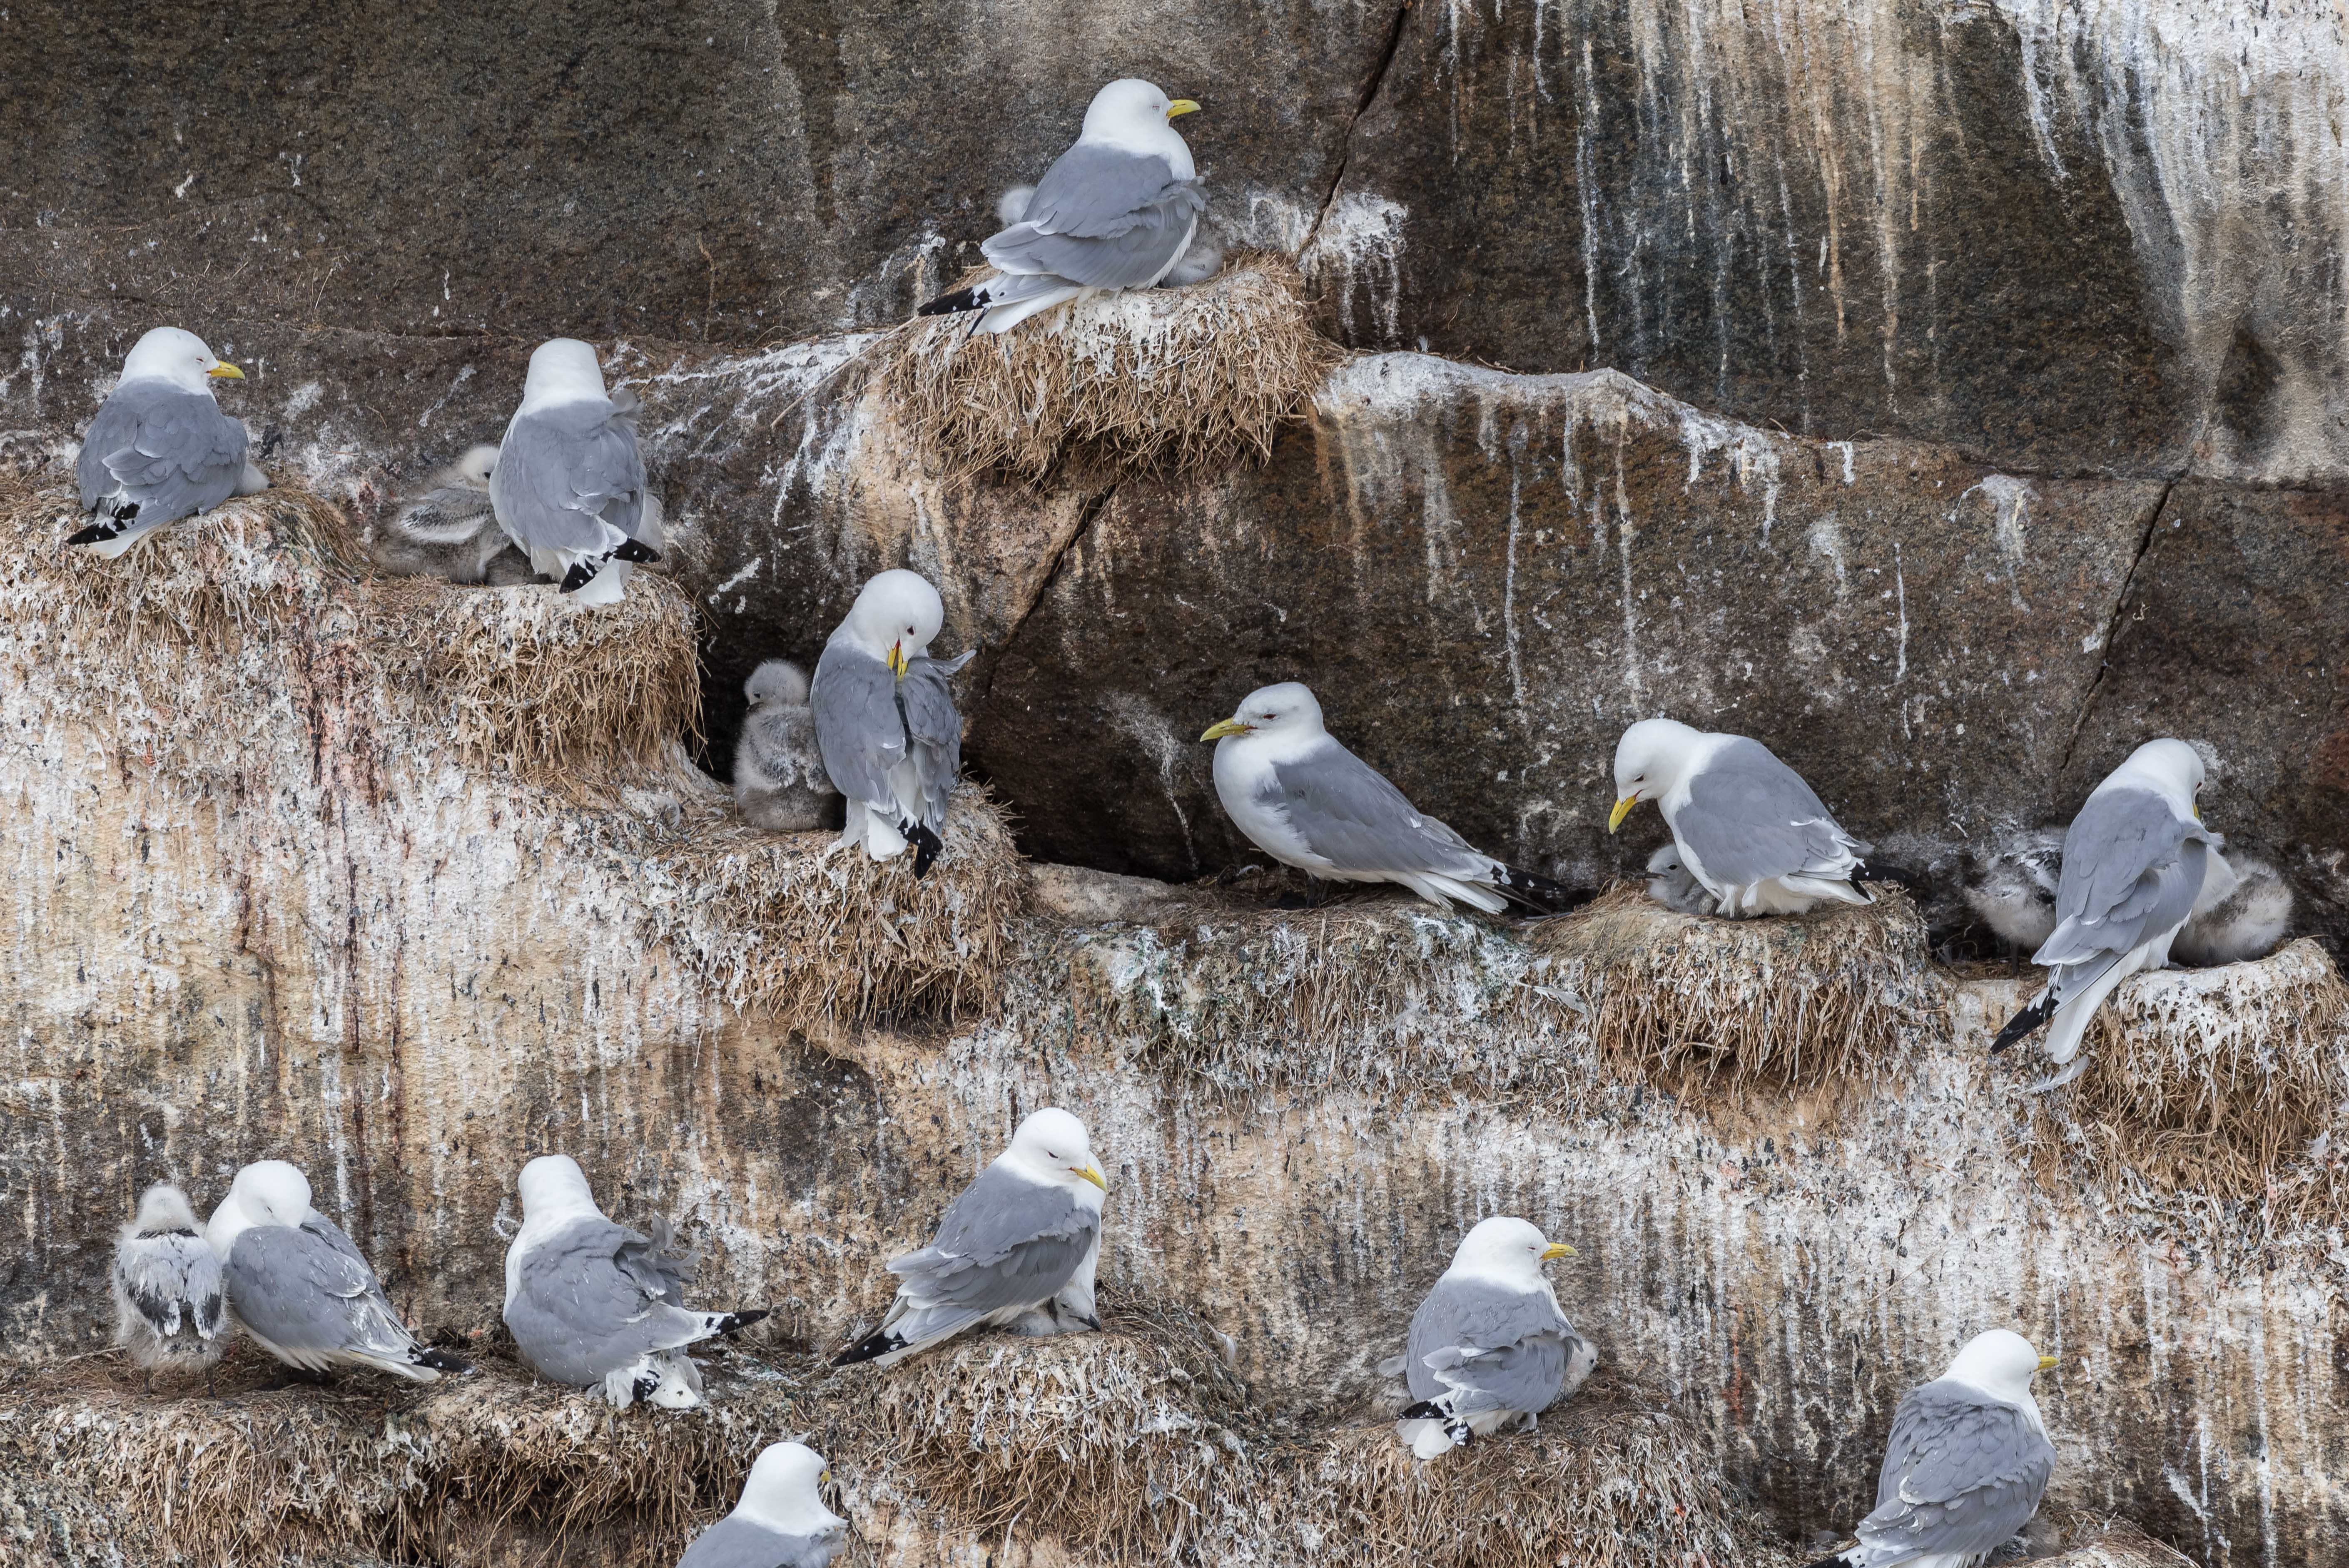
[(1195, 379), (1790, 1001), (544, 686), (1377, 995), (787, 927), (2217, 1082)]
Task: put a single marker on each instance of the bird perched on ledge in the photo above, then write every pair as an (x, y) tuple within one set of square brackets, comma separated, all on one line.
[(780, 783), (1307, 802), (569, 484), (160, 448), (1489, 1348), (781, 1522), (169, 1308), (885, 719), (1116, 210)]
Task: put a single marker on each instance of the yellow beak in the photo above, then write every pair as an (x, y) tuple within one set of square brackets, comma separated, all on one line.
[(225, 369), (2047, 1361), (1558, 1250), (898, 665), (1224, 727), (1179, 106), (825, 1479), (1622, 809), (1092, 1175)]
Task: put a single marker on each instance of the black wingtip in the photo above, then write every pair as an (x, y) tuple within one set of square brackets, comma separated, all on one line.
[(96, 533), (1425, 1410), (2024, 1023), (953, 303), (871, 1347), (1536, 892), (578, 577), (1839, 1560), (636, 549), (927, 848), (442, 1361), (735, 1322)]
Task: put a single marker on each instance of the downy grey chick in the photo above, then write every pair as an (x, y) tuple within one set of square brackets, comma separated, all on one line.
[(446, 528), (780, 783), (169, 1311), (1671, 884), (2011, 887), (2243, 913)]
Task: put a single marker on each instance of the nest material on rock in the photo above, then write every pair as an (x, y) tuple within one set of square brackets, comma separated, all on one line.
[(1376, 993), (545, 686), (2215, 1082), (1785, 1001), (788, 926), (1195, 377)]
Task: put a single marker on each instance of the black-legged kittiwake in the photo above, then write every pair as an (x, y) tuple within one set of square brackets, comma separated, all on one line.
[(1116, 210), (301, 1290), (780, 783), (2010, 883), (1490, 1348), (2133, 866), (160, 448), (2244, 912), (1965, 1467), (1670, 885), (885, 719), (569, 486), (781, 1522), (594, 1304), (1307, 802), (170, 1310), (1748, 829), (447, 528), (1019, 1247)]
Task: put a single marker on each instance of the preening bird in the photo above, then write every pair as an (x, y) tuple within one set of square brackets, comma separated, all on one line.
[(2244, 912), (569, 484), (780, 1521), (1307, 802), (1490, 1348), (1751, 832), (1670, 885), (885, 719), (1116, 210), (2010, 886), (161, 449), (780, 783), (448, 528), (1966, 1465), (1018, 1248), (171, 1309), (597, 1305), (301, 1290), (2133, 860)]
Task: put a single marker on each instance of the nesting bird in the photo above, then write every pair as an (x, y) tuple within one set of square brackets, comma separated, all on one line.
[(2010, 886), (1965, 1467), (1116, 210), (169, 1308), (1752, 834), (1201, 261), (1670, 885), (597, 1305), (1490, 1348), (1307, 802), (1019, 1247), (569, 484), (448, 527), (298, 1286), (160, 448), (885, 720), (2243, 913), (2133, 860), (780, 783), (779, 1522)]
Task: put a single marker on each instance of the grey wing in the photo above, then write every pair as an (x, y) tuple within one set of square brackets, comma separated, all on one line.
[(173, 1281), (734, 1543), (595, 1296), (1002, 1242), (310, 1290), (172, 451), (2131, 871), (1750, 818), (1103, 218), (937, 728), (567, 475), (857, 725), (1961, 1474), (450, 514), (1349, 814), (1491, 1349)]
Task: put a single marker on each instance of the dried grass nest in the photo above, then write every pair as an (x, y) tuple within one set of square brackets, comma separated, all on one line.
[(2226, 1083), (1787, 1001), (1188, 378)]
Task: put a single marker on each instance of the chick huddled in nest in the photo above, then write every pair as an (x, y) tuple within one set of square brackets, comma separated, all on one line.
[(780, 783)]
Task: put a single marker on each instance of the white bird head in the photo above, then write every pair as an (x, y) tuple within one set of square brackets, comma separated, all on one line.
[(272, 1192), (1650, 759), (1053, 1146), (1665, 861), (1284, 710), (1999, 1362), (1131, 111), (2169, 769), (475, 469), (1507, 1248), (168, 354), (553, 1187), (163, 1209), (784, 1491), (562, 370), (894, 617), (777, 681)]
